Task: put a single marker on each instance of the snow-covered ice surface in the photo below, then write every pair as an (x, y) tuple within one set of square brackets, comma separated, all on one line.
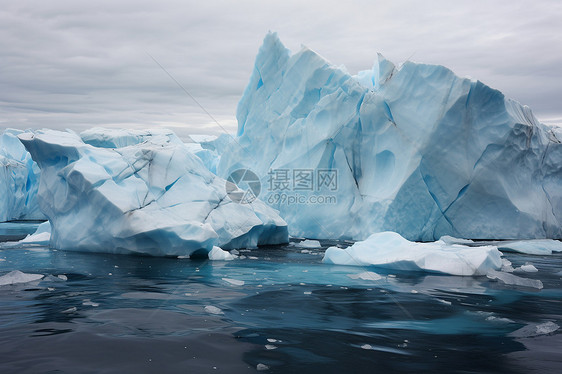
[(19, 180), (153, 197), (392, 251), (417, 150)]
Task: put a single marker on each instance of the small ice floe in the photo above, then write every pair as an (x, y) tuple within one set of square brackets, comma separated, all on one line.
[(16, 277), (444, 302), (234, 282), (507, 266), (213, 310), (535, 329), (514, 280), (366, 346), (217, 254), (88, 302), (270, 347), (262, 367), (234, 252), (366, 275), (308, 244), (184, 257), (70, 310), (527, 268), (272, 340), (307, 292), (62, 277)]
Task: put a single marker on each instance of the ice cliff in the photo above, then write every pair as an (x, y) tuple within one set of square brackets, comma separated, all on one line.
[(416, 149), (152, 197), (19, 180)]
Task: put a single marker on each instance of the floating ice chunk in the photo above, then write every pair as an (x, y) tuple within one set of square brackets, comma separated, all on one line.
[(62, 277), (390, 250), (152, 198), (535, 329), (532, 247), (16, 277), (234, 282), (366, 275), (213, 310), (527, 268), (308, 244), (514, 280), (70, 310), (262, 367), (506, 266), (270, 347), (217, 254), (89, 302), (41, 236)]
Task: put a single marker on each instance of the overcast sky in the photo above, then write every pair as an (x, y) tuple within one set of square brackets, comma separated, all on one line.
[(74, 64)]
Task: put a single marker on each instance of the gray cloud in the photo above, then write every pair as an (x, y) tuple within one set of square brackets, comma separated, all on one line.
[(73, 64)]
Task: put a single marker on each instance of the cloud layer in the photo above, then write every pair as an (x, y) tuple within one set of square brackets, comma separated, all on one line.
[(82, 64)]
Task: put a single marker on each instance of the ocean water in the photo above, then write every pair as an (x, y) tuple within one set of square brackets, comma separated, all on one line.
[(278, 310)]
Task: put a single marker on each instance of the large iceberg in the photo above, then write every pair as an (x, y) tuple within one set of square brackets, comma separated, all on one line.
[(153, 197), (413, 149), (390, 250), (19, 180)]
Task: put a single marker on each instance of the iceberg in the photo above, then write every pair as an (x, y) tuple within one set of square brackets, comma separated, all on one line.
[(412, 148), (391, 251), (19, 180), (153, 197)]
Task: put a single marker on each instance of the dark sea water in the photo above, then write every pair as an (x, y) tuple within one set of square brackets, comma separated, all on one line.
[(292, 314)]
